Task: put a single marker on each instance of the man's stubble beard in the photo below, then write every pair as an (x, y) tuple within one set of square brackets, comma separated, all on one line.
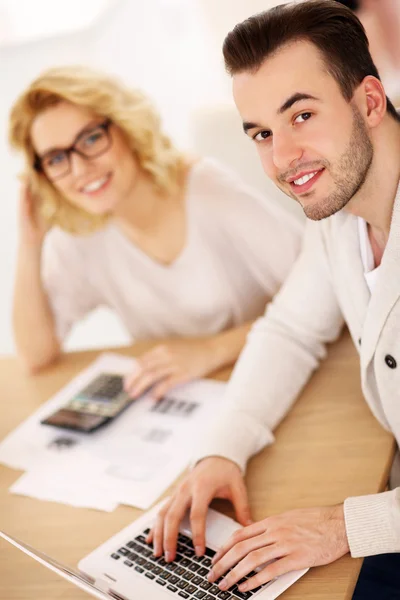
[(350, 174)]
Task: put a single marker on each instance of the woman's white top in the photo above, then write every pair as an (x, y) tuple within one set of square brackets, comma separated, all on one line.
[(239, 249)]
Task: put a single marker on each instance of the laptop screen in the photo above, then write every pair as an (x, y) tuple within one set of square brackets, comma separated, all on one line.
[(62, 570)]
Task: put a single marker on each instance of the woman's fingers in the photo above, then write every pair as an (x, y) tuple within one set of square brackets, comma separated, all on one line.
[(147, 379), (26, 204), (168, 384), (147, 363)]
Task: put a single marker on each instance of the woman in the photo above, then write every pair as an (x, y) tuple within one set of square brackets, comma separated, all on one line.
[(112, 214)]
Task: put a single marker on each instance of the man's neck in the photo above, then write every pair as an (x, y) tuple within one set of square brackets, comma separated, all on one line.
[(374, 202)]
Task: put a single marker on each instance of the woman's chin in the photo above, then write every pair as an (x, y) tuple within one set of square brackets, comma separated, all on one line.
[(100, 209)]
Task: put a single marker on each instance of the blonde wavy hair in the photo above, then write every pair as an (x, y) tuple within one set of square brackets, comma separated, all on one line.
[(106, 96)]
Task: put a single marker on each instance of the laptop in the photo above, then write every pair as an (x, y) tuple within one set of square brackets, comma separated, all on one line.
[(124, 568)]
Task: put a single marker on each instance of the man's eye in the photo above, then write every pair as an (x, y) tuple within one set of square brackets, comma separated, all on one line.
[(304, 117), (262, 135)]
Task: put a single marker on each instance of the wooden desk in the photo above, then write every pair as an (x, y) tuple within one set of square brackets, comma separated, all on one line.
[(328, 448)]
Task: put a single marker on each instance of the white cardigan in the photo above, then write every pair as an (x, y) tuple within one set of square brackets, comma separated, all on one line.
[(325, 288)]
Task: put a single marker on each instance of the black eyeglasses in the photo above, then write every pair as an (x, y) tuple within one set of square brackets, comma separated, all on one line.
[(89, 143)]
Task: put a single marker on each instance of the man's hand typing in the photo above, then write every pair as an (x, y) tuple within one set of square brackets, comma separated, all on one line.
[(212, 477)]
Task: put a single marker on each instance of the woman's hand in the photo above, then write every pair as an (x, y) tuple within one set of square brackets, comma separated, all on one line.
[(171, 364), (32, 226)]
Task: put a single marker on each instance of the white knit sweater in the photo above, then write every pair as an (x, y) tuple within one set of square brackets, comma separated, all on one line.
[(326, 287)]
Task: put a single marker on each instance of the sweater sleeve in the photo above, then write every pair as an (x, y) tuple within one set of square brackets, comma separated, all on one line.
[(66, 282), (282, 350), (373, 523)]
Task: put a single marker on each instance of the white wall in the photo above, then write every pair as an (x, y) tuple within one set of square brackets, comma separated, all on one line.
[(18, 65), (171, 49)]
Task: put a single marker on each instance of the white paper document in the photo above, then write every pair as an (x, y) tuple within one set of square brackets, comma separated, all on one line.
[(73, 479), (130, 461)]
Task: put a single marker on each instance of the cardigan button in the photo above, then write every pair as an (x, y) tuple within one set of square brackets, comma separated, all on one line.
[(390, 361), (359, 341)]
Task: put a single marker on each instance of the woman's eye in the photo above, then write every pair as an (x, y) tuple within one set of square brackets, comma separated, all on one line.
[(55, 159), (262, 135), (304, 117), (93, 138)]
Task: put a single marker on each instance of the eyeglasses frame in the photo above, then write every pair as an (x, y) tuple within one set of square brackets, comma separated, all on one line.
[(37, 165)]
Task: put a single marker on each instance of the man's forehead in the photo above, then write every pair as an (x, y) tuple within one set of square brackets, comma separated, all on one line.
[(297, 67)]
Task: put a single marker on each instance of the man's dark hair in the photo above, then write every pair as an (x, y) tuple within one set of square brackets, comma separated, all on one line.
[(333, 28), (353, 4)]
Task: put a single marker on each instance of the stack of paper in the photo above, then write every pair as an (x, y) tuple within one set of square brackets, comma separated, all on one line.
[(130, 461)]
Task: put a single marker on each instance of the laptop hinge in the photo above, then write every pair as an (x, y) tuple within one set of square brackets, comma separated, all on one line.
[(102, 585), (116, 596)]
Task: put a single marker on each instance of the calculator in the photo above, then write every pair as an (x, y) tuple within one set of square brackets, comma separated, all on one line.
[(96, 404)]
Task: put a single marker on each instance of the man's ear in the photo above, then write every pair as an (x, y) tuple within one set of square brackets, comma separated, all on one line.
[(371, 100)]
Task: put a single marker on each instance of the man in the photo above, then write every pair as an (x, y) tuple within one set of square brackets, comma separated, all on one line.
[(311, 99)]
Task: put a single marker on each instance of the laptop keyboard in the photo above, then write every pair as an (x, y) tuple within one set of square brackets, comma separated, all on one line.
[(186, 576)]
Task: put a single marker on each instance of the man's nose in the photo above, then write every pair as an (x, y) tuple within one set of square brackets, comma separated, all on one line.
[(286, 151)]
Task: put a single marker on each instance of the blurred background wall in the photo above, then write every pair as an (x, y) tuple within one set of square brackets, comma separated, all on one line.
[(169, 48)]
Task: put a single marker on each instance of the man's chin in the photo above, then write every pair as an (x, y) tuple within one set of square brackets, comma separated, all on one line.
[(314, 215), (317, 212)]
